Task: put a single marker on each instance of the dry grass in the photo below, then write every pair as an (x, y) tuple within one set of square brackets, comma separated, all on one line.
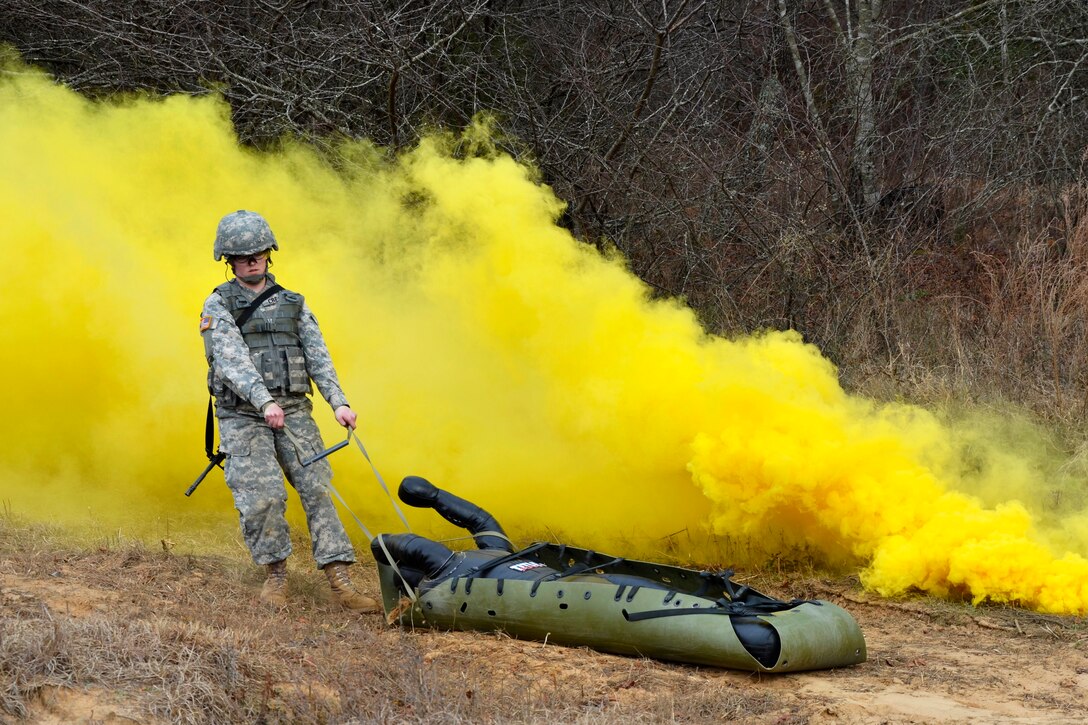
[(174, 638), (181, 639), (997, 319), (197, 673)]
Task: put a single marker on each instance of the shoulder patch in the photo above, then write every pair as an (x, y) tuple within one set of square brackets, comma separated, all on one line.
[(207, 322)]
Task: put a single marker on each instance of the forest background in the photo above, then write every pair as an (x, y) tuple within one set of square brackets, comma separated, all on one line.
[(903, 183)]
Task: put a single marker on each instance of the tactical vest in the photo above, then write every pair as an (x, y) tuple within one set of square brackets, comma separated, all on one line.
[(271, 334)]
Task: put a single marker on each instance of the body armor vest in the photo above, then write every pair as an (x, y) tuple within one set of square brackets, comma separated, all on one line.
[(271, 333)]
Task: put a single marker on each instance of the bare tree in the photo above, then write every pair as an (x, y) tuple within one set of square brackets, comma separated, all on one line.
[(824, 165)]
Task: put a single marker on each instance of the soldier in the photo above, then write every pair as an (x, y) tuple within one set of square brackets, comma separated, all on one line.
[(259, 372)]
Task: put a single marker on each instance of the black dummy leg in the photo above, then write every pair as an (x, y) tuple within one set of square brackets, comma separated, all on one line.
[(421, 493), (415, 556)]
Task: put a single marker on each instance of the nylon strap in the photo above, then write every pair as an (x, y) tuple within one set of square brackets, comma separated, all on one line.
[(496, 534), (300, 450), (298, 454), (366, 531), (729, 609), (393, 564), (392, 500), (249, 309), (297, 444), (484, 567), (381, 542)]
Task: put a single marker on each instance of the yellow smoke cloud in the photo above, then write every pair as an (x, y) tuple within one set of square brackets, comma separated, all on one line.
[(483, 348)]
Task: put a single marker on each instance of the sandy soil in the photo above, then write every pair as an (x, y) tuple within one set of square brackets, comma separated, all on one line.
[(929, 660)]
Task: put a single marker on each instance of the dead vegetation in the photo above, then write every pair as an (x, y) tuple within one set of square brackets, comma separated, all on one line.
[(901, 182), (182, 639), (116, 633)]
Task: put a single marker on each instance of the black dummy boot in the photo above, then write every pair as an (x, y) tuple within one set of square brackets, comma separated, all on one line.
[(421, 493)]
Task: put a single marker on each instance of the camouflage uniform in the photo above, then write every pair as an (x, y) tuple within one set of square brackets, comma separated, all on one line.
[(257, 455)]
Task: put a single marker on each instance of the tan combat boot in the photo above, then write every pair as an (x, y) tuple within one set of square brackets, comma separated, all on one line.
[(274, 591), (344, 592)]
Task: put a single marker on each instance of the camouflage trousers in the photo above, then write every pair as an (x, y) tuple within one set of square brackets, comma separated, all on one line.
[(257, 460)]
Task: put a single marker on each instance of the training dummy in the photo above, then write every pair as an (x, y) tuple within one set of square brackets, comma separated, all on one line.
[(565, 595)]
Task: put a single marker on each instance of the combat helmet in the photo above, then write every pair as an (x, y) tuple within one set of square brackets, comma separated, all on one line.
[(243, 232)]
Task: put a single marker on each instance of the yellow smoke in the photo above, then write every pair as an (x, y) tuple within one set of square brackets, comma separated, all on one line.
[(482, 347)]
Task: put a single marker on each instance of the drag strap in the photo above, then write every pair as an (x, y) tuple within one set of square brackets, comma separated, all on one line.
[(393, 564), (481, 570), (366, 531), (496, 534), (300, 450), (392, 500), (729, 609)]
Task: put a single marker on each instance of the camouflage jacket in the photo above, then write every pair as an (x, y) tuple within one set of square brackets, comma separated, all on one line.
[(230, 357)]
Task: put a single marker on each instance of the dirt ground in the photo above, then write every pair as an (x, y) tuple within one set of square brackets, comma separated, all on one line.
[(135, 635)]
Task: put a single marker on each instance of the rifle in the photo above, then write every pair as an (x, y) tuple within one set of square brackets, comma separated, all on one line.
[(216, 460)]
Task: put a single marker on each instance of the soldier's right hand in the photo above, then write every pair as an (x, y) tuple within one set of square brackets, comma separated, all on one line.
[(273, 415)]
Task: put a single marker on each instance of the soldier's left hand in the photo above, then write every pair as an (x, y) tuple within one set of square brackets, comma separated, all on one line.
[(345, 416)]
